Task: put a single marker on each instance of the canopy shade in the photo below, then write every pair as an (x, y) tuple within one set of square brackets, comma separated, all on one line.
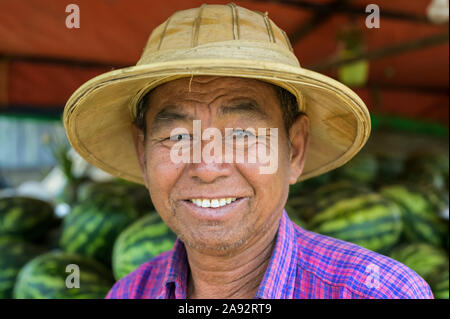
[(42, 62)]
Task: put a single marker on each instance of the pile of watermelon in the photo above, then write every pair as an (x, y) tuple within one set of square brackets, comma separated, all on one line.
[(111, 229), (396, 207)]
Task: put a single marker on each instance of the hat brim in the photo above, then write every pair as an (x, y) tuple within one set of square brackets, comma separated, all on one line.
[(98, 116)]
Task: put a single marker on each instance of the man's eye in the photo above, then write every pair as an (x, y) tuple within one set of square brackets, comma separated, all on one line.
[(180, 137), (241, 133)]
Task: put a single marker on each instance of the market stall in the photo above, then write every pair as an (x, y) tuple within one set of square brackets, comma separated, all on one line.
[(57, 210)]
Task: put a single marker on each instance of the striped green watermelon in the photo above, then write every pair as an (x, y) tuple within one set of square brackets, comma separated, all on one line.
[(428, 169), (390, 168), (306, 206), (101, 191), (339, 189), (439, 282), (45, 276), (139, 243), (91, 228), (421, 212), (368, 220), (310, 185), (27, 217), (362, 168), (299, 207), (298, 221), (423, 258), (14, 253)]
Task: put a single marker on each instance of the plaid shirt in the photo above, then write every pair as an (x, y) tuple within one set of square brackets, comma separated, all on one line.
[(303, 265)]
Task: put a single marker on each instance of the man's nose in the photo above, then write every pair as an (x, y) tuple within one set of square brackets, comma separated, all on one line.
[(209, 168), (209, 172)]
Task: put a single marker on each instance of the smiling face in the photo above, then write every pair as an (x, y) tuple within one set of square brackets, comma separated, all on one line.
[(177, 188)]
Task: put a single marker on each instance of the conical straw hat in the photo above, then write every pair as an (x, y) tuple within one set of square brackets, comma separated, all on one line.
[(221, 40)]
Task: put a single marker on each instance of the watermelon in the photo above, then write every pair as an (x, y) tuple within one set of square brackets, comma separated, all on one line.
[(298, 221), (102, 191), (14, 253), (306, 187), (27, 217), (423, 258), (390, 168), (339, 189), (45, 277), (428, 169), (362, 168), (439, 282), (91, 228), (421, 212), (299, 207), (306, 206), (69, 192), (368, 220), (139, 243)]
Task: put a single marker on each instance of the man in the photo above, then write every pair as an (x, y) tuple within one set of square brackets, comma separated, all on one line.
[(216, 90)]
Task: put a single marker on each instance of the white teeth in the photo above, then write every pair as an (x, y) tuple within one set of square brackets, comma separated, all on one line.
[(215, 203), (219, 202), (206, 203)]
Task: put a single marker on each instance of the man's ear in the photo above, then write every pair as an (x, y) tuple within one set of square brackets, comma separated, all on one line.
[(139, 145), (299, 138)]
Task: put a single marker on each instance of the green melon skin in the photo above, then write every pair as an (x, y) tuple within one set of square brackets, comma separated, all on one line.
[(45, 276), (362, 168), (139, 243), (91, 228), (102, 191), (368, 220), (310, 185), (423, 258), (439, 282), (389, 169), (306, 206), (14, 254), (428, 169), (298, 221), (26, 217), (421, 210)]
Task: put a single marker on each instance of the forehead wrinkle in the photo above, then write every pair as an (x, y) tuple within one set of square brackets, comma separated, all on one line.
[(242, 107), (196, 104), (167, 115), (201, 97)]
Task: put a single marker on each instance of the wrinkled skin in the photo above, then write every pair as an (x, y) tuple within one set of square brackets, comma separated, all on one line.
[(239, 241)]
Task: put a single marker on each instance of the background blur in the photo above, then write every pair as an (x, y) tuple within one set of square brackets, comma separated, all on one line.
[(55, 205)]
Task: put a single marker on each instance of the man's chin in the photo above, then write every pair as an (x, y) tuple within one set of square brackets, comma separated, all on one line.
[(214, 246)]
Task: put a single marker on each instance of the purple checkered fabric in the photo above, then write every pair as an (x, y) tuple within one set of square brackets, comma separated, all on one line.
[(303, 265)]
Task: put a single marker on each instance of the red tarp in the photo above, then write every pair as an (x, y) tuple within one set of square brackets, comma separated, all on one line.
[(42, 62)]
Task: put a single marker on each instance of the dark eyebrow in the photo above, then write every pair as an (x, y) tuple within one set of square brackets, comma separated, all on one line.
[(248, 107), (167, 115), (172, 113)]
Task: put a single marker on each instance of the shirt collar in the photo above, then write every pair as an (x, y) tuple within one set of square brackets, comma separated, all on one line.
[(278, 281), (176, 274)]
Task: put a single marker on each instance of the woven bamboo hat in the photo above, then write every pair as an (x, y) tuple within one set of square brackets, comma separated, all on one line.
[(221, 40)]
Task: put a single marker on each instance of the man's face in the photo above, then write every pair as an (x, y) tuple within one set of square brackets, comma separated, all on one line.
[(218, 102)]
